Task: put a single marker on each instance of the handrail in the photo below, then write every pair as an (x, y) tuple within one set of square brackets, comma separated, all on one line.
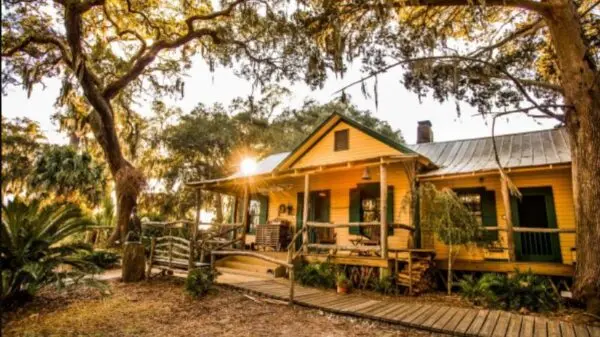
[(533, 230), (357, 224), (167, 224)]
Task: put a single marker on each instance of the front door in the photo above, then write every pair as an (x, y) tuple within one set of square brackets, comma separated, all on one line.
[(318, 210), (536, 210)]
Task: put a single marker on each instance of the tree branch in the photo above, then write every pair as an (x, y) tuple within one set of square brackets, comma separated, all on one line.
[(40, 39), (495, 67), (143, 61), (524, 30), (225, 12)]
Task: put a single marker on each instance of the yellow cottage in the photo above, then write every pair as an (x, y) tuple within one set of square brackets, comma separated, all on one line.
[(329, 194)]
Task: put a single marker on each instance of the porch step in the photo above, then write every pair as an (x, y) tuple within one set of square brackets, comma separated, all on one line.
[(252, 265)]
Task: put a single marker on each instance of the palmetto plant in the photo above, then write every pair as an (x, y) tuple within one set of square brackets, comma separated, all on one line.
[(33, 249)]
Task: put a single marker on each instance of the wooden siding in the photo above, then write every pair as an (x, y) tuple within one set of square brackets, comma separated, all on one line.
[(362, 146), (558, 179), (340, 183)]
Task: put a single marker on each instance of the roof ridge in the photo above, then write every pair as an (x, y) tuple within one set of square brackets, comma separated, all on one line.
[(486, 137)]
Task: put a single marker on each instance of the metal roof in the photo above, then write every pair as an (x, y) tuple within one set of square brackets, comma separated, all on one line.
[(266, 165), (535, 148)]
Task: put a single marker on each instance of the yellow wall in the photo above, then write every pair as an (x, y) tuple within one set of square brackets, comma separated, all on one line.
[(339, 183), (361, 146), (558, 179)]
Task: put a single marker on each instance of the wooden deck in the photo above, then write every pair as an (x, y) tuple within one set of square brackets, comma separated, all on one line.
[(434, 318), (539, 268)]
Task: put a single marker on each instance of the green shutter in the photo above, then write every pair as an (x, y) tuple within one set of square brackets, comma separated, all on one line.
[(354, 210), (390, 209), (299, 210), (488, 215), (264, 208)]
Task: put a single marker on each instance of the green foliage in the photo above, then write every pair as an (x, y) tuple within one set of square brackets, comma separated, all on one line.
[(341, 280), (322, 275), (21, 143), (34, 249), (521, 290), (443, 212), (200, 281), (103, 259), (64, 172), (385, 285)]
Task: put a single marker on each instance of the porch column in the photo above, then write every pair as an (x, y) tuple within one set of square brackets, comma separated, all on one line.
[(508, 218), (305, 214), (383, 188), (245, 205), (236, 202), (194, 231)]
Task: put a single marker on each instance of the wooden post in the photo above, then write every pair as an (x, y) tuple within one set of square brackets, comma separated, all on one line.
[(383, 188), (170, 248), (508, 218), (305, 214), (291, 286), (245, 206), (194, 231), (410, 271), (212, 261), (152, 248)]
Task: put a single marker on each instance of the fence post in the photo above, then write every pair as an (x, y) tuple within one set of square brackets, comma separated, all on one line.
[(291, 285), (212, 261), (152, 247)]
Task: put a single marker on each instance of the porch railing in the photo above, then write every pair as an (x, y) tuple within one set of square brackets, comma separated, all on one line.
[(294, 252)]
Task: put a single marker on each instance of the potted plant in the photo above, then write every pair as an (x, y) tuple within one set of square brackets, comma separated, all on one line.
[(342, 283)]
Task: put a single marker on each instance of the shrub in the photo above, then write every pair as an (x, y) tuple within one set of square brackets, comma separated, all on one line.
[(102, 258), (322, 275), (522, 290), (200, 281), (385, 285), (342, 280), (33, 249)]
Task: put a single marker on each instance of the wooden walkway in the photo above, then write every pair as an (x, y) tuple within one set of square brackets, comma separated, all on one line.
[(434, 318)]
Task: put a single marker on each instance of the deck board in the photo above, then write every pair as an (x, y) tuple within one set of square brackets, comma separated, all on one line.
[(477, 323), (440, 320), (434, 318), (466, 322), (452, 324), (514, 325), (527, 326), (581, 330), (490, 323), (541, 327), (502, 325), (567, 329)]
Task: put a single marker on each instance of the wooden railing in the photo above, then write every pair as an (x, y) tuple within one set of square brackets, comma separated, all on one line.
[(378, 249), (540, 235)]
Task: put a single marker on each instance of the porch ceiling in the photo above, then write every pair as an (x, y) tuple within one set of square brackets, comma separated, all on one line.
[(235, 183)]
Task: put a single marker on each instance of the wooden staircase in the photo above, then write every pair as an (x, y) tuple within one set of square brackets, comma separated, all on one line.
[(251, 266)]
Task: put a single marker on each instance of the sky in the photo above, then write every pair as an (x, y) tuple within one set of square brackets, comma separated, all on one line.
[(399, 107)]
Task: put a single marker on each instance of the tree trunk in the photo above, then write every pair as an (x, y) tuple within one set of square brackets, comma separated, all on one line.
[(134, 262), (581, 84)]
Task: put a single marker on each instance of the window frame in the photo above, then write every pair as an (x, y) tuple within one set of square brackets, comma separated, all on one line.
[(337, 145)]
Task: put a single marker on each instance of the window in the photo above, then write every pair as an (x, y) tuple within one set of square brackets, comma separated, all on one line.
[(257, 211), (341, 140), (472, 201), (482, 204)]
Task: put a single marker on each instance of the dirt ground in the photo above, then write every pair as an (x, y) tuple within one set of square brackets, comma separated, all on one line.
[(161, 308)]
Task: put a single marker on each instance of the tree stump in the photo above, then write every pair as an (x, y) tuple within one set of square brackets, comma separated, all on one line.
[(134, 262)]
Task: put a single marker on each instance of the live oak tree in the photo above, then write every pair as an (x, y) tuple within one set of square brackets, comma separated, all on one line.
[(500, 56), (21, 143), (115, 53)]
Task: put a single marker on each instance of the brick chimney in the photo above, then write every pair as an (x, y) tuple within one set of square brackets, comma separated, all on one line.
[(424, 132)]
